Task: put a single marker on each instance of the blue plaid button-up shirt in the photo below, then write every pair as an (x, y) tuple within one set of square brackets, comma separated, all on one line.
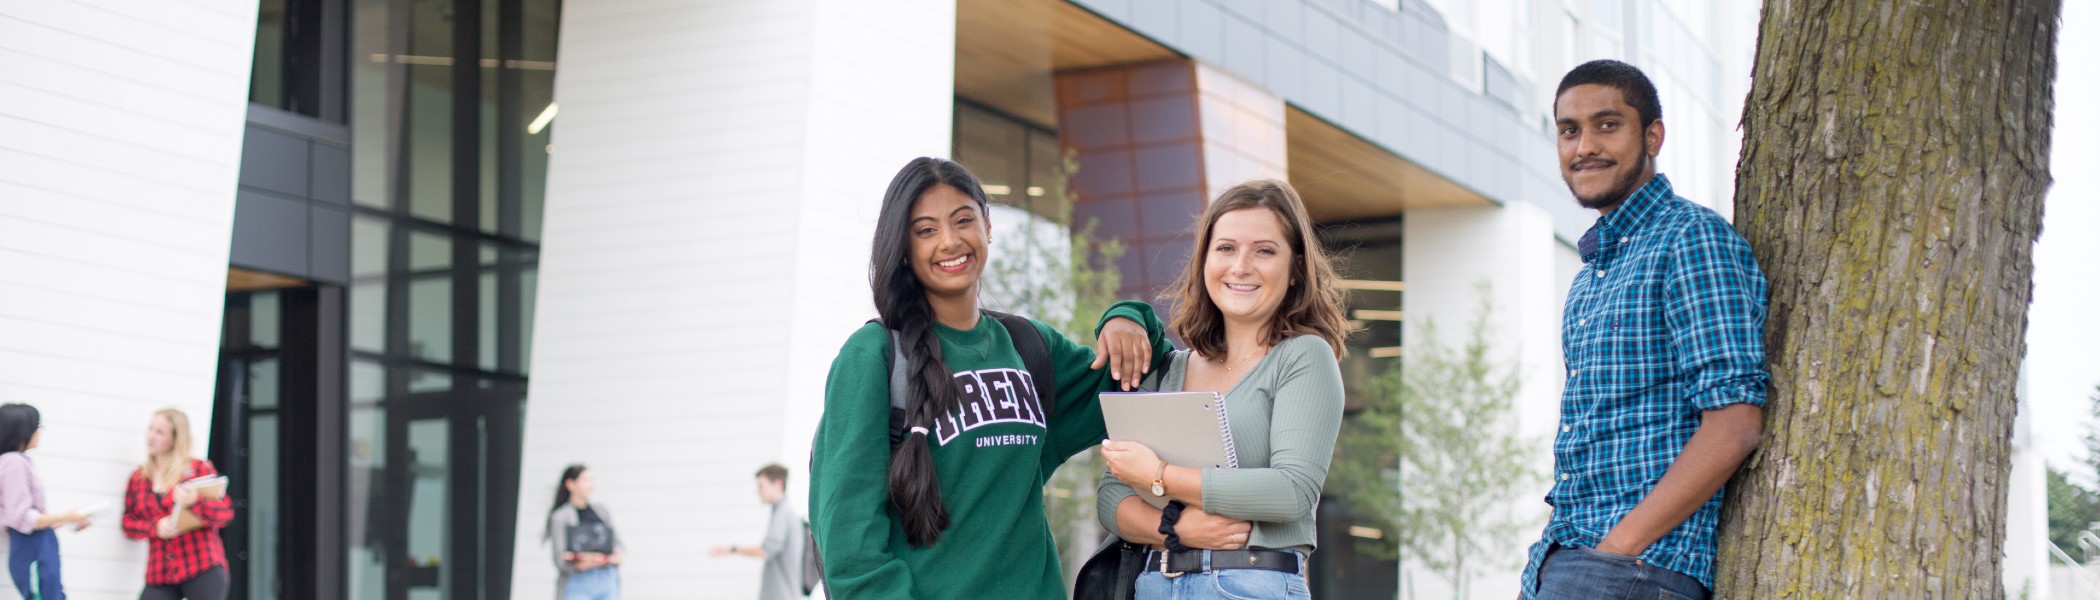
[(1665, 321)]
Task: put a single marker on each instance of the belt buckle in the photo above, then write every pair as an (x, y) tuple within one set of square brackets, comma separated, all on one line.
[(1163, 570)]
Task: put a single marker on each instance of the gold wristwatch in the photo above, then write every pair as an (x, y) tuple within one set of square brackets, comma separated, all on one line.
[(1159, 480)]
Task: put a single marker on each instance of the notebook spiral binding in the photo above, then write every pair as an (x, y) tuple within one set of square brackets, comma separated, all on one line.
[(1232, 453)]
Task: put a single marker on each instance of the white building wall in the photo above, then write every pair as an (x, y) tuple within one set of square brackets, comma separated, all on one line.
[(2027, 559), (711, 200), (1512, 248), (120, 144)]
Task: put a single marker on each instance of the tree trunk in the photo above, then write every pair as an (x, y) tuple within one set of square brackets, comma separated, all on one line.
[(1894, 161)]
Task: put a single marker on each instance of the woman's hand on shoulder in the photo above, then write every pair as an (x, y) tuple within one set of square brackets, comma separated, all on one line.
[(1126, 349)]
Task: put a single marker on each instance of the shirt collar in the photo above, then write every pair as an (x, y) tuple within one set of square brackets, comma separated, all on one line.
[(1618, 225)]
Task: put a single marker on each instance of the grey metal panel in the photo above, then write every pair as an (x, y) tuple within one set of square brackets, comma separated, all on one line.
[(1359, 53), (1114, 9), (1243, 49), (1249, 9), (274, 161), (298, 125), (1323, 36), (1324, 90), (1359, 105), (1382, 75), (1203, 31), (330, 174), (269, 233), (1394, 74), (1285, 19), (1157, 18), (1286, 69), (329, 246)]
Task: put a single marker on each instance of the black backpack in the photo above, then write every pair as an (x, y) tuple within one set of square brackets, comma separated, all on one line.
[(1035, 356)]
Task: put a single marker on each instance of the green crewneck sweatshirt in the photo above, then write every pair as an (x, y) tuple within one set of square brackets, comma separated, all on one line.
[(992, 456)]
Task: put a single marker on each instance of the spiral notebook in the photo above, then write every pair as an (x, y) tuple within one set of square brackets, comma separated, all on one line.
[(1185, 428)]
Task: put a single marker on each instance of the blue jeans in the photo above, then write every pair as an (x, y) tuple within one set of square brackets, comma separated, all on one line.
[(1228, 584), (1571, 573), (35, 555), (602, 583)]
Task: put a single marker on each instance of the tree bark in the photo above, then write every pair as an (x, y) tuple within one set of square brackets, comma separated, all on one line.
[(1894, 162)]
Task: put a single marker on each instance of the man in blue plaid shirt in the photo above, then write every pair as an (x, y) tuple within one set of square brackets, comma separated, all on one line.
[(1664, 340)]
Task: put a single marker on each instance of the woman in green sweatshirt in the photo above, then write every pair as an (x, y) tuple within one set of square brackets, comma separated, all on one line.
[(954, 509), (1259, 308)]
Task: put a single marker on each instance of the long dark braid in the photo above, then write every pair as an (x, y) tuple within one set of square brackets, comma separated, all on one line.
[(900, 299)]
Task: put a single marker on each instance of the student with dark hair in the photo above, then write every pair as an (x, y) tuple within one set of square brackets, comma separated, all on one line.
[(781, 576), (1663, 336), (32, 548), (952, 506), (587, 550), (1259, 307)]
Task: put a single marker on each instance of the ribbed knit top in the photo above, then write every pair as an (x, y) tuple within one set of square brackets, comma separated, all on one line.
[(1284, 415)]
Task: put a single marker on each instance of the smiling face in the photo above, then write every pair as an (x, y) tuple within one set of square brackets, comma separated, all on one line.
[(160, 436), (948, 234), (770, 491), (1605, 153), (1247, 265), (581, 487)]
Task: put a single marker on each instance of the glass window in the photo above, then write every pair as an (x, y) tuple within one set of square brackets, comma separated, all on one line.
[(1017, 162), (266, 85), (443, 269)]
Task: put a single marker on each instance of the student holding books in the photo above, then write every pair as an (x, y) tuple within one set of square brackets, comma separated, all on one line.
[(952, 505), (1259, 309), (587, 549), (177, 503)]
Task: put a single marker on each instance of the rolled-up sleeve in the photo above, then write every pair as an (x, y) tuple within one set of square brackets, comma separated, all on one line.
[(1715, 310)]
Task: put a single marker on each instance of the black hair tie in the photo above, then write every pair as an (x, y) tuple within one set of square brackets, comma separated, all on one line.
[(1167, 518)]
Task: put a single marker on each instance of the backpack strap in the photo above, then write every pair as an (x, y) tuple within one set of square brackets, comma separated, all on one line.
[(1028, 342), (900, 384), (1035, 356)]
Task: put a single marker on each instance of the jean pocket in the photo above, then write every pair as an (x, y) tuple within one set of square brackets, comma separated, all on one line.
[(1620, 558), (1666, 594), (1252, 584)]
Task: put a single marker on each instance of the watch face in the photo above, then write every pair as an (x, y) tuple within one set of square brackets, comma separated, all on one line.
[(1158, 490)]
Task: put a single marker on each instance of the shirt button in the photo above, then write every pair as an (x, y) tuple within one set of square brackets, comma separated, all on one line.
[(1575, 373), (1600, 273), (1625, 239), (1563, 476), (1582, 322), (1565, 429)]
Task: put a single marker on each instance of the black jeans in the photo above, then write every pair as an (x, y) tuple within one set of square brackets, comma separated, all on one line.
[(209, 585)]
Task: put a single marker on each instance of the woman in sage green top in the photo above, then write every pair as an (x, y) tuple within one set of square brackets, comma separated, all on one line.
[(1260, 312)]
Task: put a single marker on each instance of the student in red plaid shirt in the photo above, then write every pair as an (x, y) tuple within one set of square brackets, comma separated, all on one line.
[(180, 562)]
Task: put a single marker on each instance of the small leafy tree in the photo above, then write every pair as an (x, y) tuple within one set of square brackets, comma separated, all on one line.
[(1061, 274), (2074, 508), (1434, 457)]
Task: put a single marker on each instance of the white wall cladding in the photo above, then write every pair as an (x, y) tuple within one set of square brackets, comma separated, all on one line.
[(1512, 248), (715, 177), (120, 145)]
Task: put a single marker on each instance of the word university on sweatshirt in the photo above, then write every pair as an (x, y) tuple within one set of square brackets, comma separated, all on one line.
[(991, 397)]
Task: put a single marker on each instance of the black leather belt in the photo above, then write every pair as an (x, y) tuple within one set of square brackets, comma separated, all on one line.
[(1174, 564)]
